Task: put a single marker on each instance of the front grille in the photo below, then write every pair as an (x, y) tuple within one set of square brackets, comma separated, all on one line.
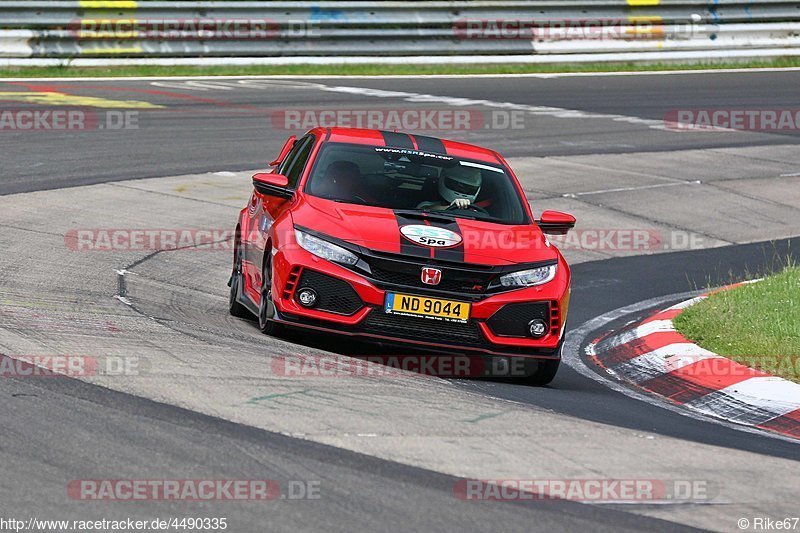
[(409, 274), (335, 295), (423, 329), (463, 337), (512, 319)]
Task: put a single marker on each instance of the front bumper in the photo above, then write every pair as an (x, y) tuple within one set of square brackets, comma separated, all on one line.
[(355, 308)]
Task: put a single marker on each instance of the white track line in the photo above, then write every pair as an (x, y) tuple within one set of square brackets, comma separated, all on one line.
[(454, 101)]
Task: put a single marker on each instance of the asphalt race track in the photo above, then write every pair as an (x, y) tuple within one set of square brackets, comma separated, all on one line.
[(224, 125), (385, 453)]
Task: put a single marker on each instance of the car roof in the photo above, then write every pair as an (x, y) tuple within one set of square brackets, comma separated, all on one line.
[(412, 141)]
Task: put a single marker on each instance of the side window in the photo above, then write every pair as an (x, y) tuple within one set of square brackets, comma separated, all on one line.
[(288, 159), (296, 161)]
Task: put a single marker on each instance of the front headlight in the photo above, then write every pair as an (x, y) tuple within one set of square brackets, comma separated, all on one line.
[(324, 249), (529, 278)]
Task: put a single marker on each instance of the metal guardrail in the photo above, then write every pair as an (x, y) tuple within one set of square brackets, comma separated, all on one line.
[(256, 29)]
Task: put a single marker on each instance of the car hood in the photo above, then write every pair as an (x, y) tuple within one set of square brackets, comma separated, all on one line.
[(379, 229)]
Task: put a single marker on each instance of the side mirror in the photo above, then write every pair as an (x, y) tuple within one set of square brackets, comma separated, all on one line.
[(287, 147), (271, 184), (556, 222)]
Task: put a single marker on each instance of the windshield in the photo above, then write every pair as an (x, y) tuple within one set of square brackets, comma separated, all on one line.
[(412, 180)]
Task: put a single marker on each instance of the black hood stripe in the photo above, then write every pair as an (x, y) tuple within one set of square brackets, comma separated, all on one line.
[(456, 253), (397, 140), (430, 144), (408, 247), (411, 248)]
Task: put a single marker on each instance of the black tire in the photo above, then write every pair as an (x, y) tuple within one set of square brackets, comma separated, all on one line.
[(545, 372), (237, 309), (266, 308)]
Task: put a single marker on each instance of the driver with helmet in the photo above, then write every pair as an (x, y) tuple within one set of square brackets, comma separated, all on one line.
[(458, 187)]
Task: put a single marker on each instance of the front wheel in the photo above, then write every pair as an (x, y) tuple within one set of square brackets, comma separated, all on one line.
[(266, 307), (237, 309), (545, 372)]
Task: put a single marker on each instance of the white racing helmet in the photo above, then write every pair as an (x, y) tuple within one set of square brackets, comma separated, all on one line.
[(460, 182)]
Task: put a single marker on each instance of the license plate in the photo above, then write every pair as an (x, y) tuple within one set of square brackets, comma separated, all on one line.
[(422, 306)]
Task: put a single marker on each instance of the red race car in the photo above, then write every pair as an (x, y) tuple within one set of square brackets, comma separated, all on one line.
[(402, 238)]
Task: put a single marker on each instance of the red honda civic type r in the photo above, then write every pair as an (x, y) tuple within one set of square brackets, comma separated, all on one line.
[(402, 239)]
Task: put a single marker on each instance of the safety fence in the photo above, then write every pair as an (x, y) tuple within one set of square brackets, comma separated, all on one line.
[(331, 30)]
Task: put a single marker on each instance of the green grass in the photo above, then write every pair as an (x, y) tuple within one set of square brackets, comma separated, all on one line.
[(757, 324), (364, 70)]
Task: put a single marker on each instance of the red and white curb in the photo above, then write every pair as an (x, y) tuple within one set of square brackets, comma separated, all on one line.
[(653, 356)]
